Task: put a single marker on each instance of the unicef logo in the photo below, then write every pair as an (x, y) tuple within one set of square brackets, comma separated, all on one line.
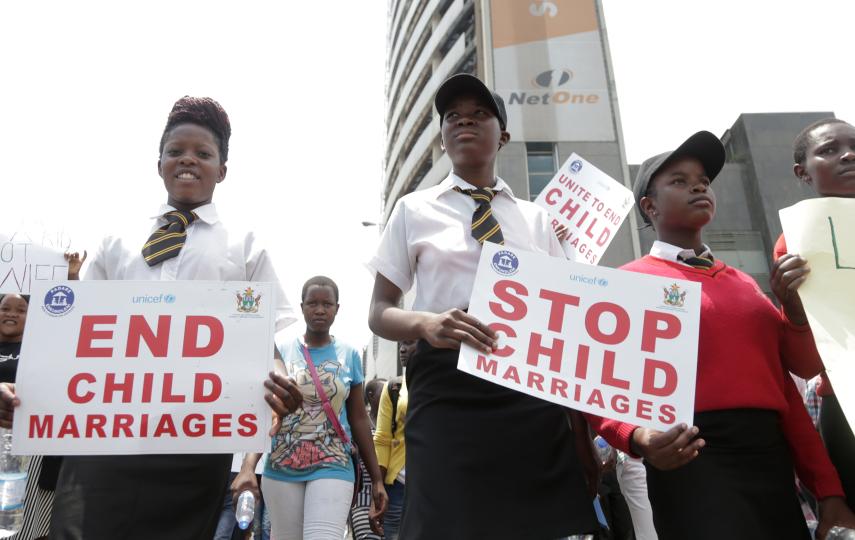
[(59, 301), (576, 166), (506, 263), (169, 298)]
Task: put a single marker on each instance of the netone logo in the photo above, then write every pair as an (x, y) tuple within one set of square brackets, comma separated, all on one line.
[(551, 80)]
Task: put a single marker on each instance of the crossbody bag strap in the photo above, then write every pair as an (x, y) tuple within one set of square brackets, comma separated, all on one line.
[(325, 401)]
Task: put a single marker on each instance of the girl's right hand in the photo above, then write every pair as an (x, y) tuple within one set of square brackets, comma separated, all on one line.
[(448, 330), (669, 450), (245, 480)]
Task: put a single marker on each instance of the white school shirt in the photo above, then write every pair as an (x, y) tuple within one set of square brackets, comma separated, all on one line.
[(210, 252), (670, 252), (428, 237)]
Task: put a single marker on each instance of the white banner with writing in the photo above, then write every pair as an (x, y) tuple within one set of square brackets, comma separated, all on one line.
[(24, 262), (823, 232), (617, 344)]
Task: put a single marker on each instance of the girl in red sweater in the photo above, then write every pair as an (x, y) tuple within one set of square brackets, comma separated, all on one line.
[(731, 475), (824, 159)]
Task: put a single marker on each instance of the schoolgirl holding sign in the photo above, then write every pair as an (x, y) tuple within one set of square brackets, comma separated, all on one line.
[(732, 475), (482, 461), (309, 476), (174, 496), (824, 159)]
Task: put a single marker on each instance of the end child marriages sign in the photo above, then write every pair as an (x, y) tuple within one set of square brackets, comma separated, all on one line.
[(590, 204), (142, 367), (617, 344)]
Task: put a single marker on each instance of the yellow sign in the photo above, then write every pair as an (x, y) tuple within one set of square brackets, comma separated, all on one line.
[(823, 232)]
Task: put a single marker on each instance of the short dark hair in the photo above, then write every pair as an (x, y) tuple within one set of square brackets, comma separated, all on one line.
[(320, 281), (371, 386), (204, 112), (802, 141)]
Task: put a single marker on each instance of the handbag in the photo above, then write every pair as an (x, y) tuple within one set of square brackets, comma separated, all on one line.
[(333, 418)]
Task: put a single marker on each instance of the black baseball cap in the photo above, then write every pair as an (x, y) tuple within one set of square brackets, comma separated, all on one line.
[(466, 84), (703, 146)]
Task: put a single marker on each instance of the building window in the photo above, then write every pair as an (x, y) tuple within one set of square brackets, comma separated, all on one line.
[(542, 165)]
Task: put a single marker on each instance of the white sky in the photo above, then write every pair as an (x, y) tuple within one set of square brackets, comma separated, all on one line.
[(86, 88)]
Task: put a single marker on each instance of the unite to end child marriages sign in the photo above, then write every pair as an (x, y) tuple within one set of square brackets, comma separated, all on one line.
[(590, 203), (143, 367), (617, 344)]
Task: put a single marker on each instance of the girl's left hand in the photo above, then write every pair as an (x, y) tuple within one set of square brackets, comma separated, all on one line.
[(379, 503), (561, 231), (832, 512), (788, 274)]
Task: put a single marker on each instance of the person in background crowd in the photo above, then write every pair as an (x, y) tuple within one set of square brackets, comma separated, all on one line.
[(309, 474), (737, 481), (824, 159), (372, 399), (168, 496), (482, 461), (632, 478), (227, 527), (359, 521), (390, 442), (38, 502)]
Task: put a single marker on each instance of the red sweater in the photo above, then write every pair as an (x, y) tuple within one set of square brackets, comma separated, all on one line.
[(743, 340), (824, 388)]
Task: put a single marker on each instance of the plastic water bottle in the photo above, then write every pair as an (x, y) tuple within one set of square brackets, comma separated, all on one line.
[(13, 486), (840, 533), (604, 451), (245, 511)]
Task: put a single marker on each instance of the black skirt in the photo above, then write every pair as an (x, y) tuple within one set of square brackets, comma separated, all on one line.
[(169, 497), (741, 485), (484, 461)]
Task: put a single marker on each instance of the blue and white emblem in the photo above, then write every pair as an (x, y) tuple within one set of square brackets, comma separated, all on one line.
[(505, 263), (576, 166), (59, 300)]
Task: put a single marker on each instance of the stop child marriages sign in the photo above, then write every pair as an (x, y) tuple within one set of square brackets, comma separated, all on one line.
[(590, 204), (617, 344), (142, 367)]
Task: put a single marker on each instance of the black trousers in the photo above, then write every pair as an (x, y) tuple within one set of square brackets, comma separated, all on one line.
[(840, 444)]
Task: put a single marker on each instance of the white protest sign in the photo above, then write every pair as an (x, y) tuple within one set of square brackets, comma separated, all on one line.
[(590, 204), (24, 262), (823, 232), (617, 344), (145, 367)]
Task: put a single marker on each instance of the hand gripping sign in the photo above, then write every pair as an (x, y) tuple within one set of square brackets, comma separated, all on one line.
[(823, 232), (617, 344), (125, 367), (590, 204)]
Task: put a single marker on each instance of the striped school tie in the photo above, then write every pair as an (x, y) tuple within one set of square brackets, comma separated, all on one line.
[(697, 262), (485, 228), (166, 242)]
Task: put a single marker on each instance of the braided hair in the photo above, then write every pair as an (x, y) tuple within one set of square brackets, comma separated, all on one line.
[(203, 112)]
